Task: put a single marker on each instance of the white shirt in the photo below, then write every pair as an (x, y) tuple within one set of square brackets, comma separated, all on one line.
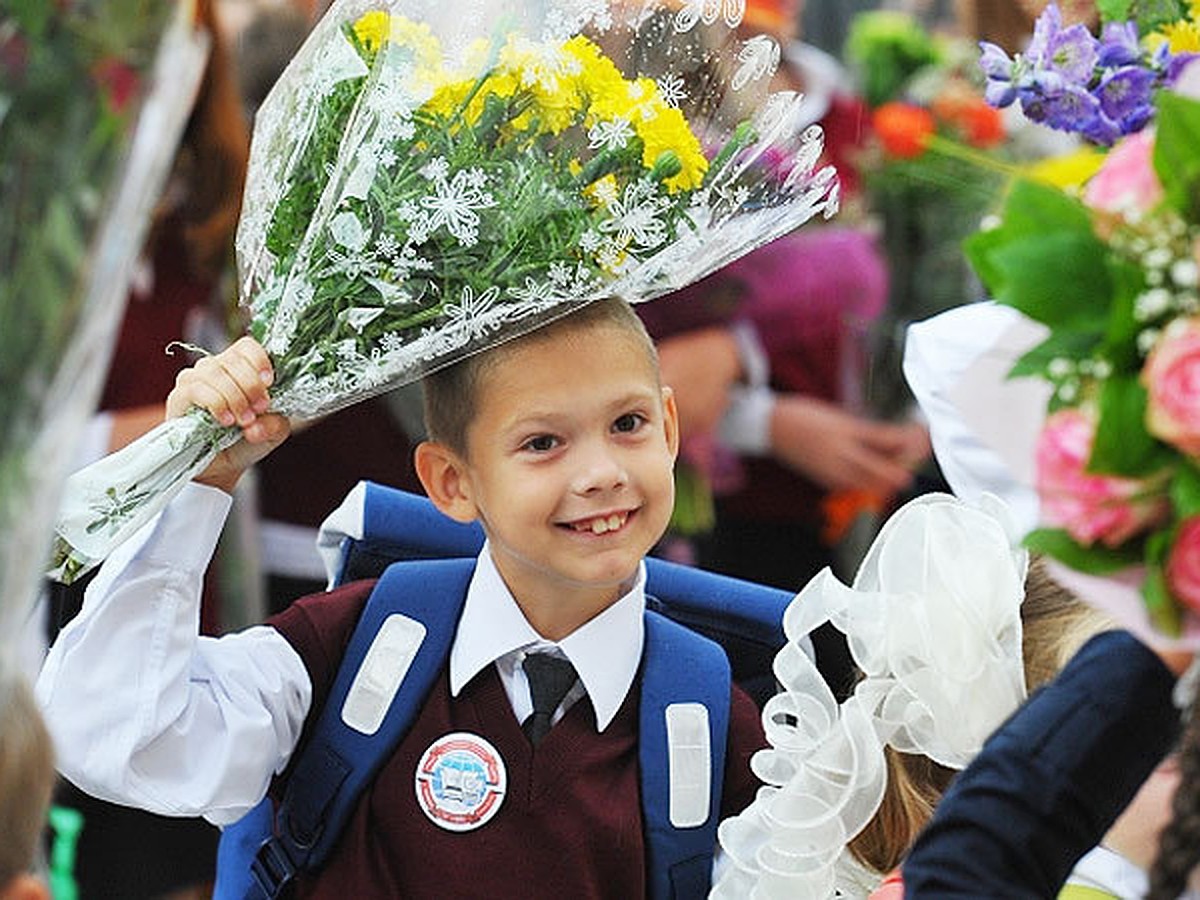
[(147, 713), (1108, 871)]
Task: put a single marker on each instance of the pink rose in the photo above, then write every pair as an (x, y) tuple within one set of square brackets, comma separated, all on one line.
[(1183, 565), (1172, 378), (1127, 182), (1090, 507)]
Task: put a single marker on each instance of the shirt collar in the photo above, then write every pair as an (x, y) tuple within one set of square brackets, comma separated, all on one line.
[(605, 651)]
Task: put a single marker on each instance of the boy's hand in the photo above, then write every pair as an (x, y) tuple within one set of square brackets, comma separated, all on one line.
[(232, 386)]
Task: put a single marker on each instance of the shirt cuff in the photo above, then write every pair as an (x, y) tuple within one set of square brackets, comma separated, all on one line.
[(746, 425)]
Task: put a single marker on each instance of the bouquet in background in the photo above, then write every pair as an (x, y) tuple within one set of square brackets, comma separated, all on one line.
[(1100, 88), (1115, 277), (936, 161), (94, 95), (426, 182)]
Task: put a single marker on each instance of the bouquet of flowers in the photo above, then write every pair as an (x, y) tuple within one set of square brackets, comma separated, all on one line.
[(1100, 88), (426, 182), (1115, 277), (94, 95), (934, 166)]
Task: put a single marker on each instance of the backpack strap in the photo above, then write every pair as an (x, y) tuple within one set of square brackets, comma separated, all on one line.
[(684, 725), (395, 655)]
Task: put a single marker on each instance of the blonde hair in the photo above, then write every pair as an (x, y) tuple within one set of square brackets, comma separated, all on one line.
[(26, 775), (1054, 624)]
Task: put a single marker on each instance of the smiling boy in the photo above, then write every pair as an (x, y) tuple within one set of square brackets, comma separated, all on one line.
[(561, 444)]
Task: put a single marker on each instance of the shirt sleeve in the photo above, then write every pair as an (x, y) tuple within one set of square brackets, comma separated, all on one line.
[(147, 713), (1049, 784)]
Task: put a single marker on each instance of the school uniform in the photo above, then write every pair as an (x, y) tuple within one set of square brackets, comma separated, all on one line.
[(1051, 781), (147, 713)]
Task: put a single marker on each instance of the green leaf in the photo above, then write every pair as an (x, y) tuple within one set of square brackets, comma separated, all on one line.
[(1149, 14), (1175, 157), (1095, 560), (1031, 213), (1122, 445), (1060, 344), (1160, 605), (1185, 490), (1120, 341), (1058, 278)]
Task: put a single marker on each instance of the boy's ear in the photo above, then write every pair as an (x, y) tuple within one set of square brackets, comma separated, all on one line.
[(444, 476), (671, 420)]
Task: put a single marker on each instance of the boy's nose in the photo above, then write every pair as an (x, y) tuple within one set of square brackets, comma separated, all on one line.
[(600, 470)]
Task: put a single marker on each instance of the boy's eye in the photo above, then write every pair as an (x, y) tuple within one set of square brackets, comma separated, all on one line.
[(628, 422), (541, 443)]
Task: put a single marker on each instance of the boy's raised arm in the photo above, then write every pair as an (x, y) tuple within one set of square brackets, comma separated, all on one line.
[(144, 711)]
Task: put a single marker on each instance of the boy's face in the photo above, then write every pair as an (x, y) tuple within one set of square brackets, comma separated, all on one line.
[(569, 466)]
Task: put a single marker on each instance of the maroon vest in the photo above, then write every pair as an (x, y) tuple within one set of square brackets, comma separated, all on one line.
[(570, 822)]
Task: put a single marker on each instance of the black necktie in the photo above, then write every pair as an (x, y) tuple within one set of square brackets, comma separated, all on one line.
[(550, 677)]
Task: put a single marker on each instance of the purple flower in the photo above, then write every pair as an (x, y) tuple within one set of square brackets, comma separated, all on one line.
[(1100, 129), (1126, 94), (995, 63), (1119, 45), (1045, 29), (1177, 63), (1073, 53), (1073, 109), (1000, 93)]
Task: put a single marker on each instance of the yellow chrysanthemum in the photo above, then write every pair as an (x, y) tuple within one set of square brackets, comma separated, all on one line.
[(1182, 36), (599, 76), (372, 29), (1070, 170), (417, 36), (602, 191)]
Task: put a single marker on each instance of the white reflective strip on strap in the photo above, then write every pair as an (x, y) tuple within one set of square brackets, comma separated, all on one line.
[(381, 672), (690, 763)]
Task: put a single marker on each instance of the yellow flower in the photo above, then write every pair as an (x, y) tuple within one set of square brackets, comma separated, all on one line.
[(372, 29), (1070, 170), (1182, 36), (602, 191)]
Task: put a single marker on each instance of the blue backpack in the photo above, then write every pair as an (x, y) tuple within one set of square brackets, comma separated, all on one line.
[(426, 562)]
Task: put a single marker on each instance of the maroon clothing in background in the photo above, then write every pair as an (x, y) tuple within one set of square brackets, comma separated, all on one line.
[(570, 824)]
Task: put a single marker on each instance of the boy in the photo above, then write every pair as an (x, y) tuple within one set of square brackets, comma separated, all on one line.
[(26, 780), (561, 443)]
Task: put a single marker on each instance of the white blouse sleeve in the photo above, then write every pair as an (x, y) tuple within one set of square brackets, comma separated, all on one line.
[(145, 712)]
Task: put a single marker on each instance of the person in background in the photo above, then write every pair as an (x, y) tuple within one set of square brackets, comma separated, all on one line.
[(766, 359), (26, 781), (181, 292)]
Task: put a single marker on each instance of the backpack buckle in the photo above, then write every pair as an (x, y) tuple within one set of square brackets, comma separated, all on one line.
[(272, 868)]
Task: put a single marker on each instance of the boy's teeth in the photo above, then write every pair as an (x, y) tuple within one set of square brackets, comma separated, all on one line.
[(603, 525)]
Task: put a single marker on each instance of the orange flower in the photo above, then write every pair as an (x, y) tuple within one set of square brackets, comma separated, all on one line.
[(979, 124), (903, 129)]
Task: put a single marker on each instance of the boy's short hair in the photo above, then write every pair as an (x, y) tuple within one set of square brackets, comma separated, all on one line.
[(26, 775), (450, 394)]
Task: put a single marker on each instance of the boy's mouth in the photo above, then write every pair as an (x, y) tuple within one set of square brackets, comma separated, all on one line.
[(601, 524)]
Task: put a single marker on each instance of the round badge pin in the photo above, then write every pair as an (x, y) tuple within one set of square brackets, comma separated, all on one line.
[(461, 781)]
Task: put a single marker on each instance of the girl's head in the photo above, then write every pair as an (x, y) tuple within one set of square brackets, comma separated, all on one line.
[(1055, 624), (26, 780)]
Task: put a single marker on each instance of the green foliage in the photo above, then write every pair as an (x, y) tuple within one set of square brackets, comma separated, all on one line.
[(1122, 445), (1185, 490), (886, 49), (1095, 560), (1149, 14), (1175, 158)]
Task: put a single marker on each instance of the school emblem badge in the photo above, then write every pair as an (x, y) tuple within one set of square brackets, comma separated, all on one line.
[(461, 781)]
